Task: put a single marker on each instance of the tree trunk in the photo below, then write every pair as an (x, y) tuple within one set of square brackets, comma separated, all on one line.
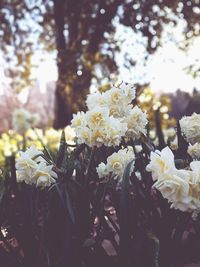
[(61, 107), (71, 90)]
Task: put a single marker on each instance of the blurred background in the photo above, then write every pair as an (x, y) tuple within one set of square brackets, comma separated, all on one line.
[(54, 52)]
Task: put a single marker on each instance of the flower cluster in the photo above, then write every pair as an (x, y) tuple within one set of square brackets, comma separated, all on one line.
[(179, 186), (116, 163), (32, 168), (96, 128), (22, 120), (110, 117), (190, 127)]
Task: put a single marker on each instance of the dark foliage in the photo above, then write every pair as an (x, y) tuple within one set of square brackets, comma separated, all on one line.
[(82, 221)]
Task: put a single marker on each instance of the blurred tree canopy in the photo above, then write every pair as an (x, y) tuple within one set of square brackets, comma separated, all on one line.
[(82, 34)]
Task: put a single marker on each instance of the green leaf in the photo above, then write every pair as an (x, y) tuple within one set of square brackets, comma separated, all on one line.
[(125, 209), (147, 143), (61, 151), (89, 243), (156, 248), (182, 144), (47, 153), (69, 206), (159, 131), (2, 189), (79, 150)]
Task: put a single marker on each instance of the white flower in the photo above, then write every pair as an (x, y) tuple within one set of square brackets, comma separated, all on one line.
[(96, 99), (194, 192), (119, 101), (31, 153), (78, 120), (84, 136), (180, 187), (195, 167), (97, 117), (116, 96), (109, 134), (138, 148), (32, 168), (98, 137), (116, 100), (194, 150), (44, 175), (116, 163), (128, 90), (176, 191), (120, 111), (102, 170), (100, 129), (174, 144), (22, 120), (190, 127), (152, 134), (25, 170), (136, 122), (114, 130), (70, 135), (161, 163), (169, 133), (105, 123)]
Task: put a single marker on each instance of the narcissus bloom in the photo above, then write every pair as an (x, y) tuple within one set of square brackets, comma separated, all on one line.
[(32, 168), (136, 122), (110, 117), (45, 175), (78, 120), (116, 163), (161, 163), (194, 151), (181, 187), (190, 127), (175, 190)]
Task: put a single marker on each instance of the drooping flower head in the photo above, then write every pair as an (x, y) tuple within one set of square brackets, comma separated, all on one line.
[(161, 163), (181, 187), (32, 168)]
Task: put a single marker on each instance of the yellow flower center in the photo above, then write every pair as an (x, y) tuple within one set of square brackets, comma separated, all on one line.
[(115, 97), (98, 135), (161, 164), (116, 165), (97, 119), (78, 122)]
